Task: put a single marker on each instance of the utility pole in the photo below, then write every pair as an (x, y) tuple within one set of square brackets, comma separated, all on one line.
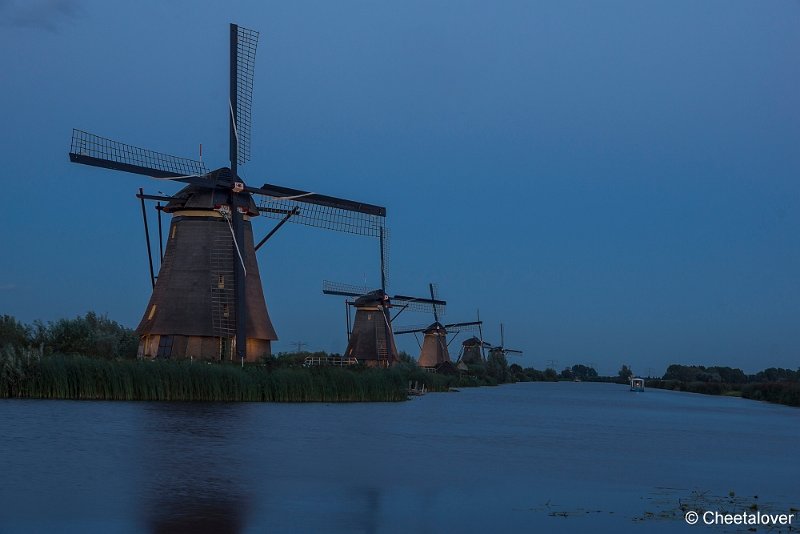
[(551, 364), (300, 345)]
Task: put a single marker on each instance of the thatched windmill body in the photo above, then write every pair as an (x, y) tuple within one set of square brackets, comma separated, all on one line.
[(472, 350), (371, 339), (208, 300)]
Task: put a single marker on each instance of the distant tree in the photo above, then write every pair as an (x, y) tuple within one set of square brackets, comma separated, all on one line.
[(583, 372), (518, 373), (405, 357), (731, 375), (625, 374), (777, 374), (683, 373), (92, 335), (534, 374), (550, 375), (699, 373), (567, 374), (497, 366)]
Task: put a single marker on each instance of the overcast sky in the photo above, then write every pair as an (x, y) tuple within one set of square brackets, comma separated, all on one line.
[(617, 181)]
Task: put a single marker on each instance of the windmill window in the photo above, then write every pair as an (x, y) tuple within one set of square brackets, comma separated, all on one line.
[(225, 311), (174, 229), (152, 312), (221, 281)]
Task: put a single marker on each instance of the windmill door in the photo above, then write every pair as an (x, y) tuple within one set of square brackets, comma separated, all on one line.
[(164, 347)]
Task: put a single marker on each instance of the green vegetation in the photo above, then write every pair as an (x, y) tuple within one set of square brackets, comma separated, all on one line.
[(90, 335), (777, 385), (79, 377), (581, 372), (787, 393)]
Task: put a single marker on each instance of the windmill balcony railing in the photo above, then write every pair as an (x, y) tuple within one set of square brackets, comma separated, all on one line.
[(337, 361)]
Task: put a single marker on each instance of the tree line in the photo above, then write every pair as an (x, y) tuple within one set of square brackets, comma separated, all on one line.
[(774, 384), (92, 335)]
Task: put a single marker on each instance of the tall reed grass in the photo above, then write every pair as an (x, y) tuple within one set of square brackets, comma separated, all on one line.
[(78, 377)]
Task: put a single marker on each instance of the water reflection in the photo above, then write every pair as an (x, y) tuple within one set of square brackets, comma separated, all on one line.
[(525, 457), (192, 468), (367, 519)]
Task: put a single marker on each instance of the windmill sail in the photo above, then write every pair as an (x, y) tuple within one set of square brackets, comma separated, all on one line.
[(243, 62), (91, 149), (321, 211)]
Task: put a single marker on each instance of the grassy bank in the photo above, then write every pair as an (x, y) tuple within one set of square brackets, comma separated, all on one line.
[(93, 357), (78, 377), (787, 393)]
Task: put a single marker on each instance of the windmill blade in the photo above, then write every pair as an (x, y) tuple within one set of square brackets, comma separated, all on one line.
[(90, 149), (420, 304), (344, 290), (420, 300), (321, 211), (512, 351), (384, 248), (416, 329), (243, 62), (226, 214), (463, 326), (480, 333), (160, 198)]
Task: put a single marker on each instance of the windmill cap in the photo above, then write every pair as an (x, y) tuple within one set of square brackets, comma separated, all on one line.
[(371, 298), (434, 327), (471, 341), (194, 197)]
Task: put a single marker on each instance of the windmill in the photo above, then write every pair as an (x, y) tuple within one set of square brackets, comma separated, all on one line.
[(434, 352), (501, 349), (472, 351), (371, 340), (208, 301)]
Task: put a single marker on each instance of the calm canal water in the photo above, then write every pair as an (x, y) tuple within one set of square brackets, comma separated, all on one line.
[(564, 457)]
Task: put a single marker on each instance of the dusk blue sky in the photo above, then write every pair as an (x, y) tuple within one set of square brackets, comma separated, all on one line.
[(617, 181)]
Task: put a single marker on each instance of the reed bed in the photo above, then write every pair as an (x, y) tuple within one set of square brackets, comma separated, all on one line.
[(78, 377)]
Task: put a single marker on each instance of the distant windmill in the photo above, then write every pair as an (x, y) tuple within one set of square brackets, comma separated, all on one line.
[(371, 340), (434, 352), (472, 351), (208, 301), (501, 349)]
